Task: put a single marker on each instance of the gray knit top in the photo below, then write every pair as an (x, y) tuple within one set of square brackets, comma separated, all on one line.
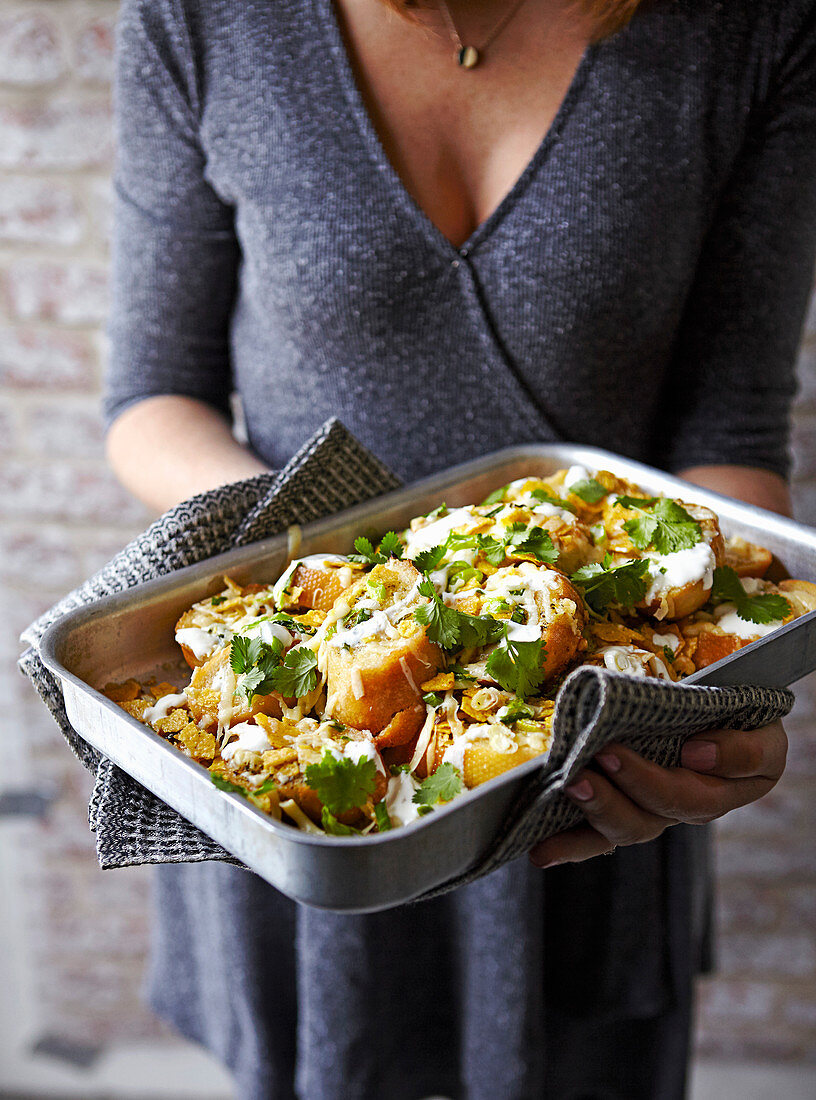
[(641, 288)]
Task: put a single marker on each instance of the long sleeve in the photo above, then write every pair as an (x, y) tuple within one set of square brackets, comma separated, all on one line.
[(732, 379), (175, 254)]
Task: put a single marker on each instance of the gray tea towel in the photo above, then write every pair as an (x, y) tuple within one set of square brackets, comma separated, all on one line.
[(332, 472)]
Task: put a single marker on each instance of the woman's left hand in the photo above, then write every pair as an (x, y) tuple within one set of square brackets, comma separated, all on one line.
[(628, 800)]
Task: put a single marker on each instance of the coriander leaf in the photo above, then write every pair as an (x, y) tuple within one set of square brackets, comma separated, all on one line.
[(390, 545), (335, 827), (727, 585), (496, 496), (427, 560), (297, 674), (668, 653), (441, 621), (547, 496), (641, 529), (588, 489), (432, 699), (602, 585), (344, 784), (636, 502), (538, 543), (479, 630), (217, 600), (241, 659), (668, 526), (676, 529), (442, 786), (266, 787), (381, 817), (396, 769), (365, 551), (491, 549), (517, 666), (765, 607), (248, 682), (225, 784)]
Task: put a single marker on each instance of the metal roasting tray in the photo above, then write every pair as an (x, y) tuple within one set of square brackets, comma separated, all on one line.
[(131, 634)]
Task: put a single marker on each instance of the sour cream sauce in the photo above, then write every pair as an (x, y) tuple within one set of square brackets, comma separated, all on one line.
[(201, 643), (681, 568)]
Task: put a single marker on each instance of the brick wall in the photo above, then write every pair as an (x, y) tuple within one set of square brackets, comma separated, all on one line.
[(61, 515)]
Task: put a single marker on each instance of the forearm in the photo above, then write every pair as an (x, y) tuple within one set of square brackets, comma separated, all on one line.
[(748, 483), (168, 448)]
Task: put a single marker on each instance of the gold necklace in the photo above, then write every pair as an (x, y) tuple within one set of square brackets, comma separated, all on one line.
[(470, 56)]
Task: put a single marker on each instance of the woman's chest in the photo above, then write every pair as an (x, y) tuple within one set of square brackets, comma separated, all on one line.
[(604, 217)]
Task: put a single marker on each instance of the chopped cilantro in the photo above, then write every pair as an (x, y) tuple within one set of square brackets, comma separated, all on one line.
[(381, 817), (442, 786), (517, 666), (668, 653), (388, 547), (764, 607), (343, 784), (547, 496), (588, 490), (536, 542), (226, 785), (297, 674), (217, 600), (605, 584), (397, 769), (427, 560), (453, 629), (667, 526)]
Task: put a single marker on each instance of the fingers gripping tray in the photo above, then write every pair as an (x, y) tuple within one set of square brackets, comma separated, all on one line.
[(131, 634)]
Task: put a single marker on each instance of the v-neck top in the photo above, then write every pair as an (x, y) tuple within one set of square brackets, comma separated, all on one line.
[(640, 288)]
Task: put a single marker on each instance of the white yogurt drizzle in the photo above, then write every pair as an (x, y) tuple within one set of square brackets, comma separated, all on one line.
[(249, 738), (399, 799), (680, 568), (437, 531), (201, 643), (163, 707)]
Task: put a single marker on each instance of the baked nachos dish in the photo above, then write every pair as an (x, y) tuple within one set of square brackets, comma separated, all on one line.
[(357, 693)]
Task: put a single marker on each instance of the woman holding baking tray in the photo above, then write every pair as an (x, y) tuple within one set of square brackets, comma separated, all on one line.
[(457, 225)]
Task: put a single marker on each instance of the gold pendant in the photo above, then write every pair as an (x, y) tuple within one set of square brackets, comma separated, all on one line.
[(468, 57)]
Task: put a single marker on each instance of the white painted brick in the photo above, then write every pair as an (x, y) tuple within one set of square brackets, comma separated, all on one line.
[(70, 293), (62, 133), (37, 358), (39, 212), (94, 49), (30, 50)]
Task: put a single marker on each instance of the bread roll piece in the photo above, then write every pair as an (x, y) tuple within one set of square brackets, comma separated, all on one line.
[(679, 582), (482, 751), (379, 654), (315, 582), (211, 698), (747, 559)]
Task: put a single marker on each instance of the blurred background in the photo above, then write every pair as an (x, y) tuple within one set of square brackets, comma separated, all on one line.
[(73, 939)]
